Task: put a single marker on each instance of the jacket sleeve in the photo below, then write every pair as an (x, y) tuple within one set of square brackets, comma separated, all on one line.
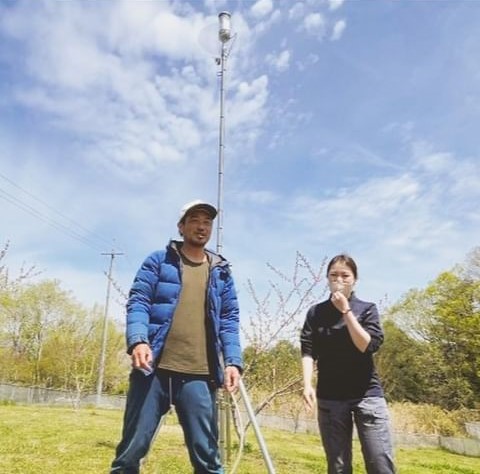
[(306, 335), (370, 321), (230, 325), (140, 301)]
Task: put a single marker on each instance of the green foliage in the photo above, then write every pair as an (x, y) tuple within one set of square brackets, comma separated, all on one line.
[(48, 339), (400, 363), (431, 352), (273, 375), (7, 402), (267, 370), (430, 419)]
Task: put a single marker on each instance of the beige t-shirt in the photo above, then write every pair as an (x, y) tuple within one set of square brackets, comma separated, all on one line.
[(185, 348)]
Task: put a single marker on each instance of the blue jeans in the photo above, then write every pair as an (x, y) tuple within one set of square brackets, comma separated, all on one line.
[(335, 420), (148, 399)]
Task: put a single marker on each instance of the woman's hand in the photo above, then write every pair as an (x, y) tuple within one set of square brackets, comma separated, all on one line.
[(309, 397), (340, 301)]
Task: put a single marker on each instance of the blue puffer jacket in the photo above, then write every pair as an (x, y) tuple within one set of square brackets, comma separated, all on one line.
[(154, 296)]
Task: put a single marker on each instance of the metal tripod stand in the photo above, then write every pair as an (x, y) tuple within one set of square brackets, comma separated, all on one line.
[(256, 428)]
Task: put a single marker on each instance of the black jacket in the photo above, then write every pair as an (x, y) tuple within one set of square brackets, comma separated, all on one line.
[(344, 372)]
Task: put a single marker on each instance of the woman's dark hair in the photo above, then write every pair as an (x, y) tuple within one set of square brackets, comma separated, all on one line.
[(345, 259)]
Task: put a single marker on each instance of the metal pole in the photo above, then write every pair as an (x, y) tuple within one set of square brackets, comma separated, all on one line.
[(103, 350), (221, 148), (256, 428), (225, 36)]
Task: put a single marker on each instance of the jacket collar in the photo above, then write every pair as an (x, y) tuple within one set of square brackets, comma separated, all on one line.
[(214, 258)]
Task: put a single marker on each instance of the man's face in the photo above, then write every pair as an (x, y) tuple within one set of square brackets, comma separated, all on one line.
[(196, 228)]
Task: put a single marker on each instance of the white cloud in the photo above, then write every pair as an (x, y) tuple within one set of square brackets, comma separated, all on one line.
[(425, 209), (335, 4), (215, 5), (263, 26), (456, 178), (297, 11), (133, 78), (308, 61), (398, 221), (261, 8), (359, 206), (338, 30), (281, 61), (412, 221), (248, 108), (314, 24)]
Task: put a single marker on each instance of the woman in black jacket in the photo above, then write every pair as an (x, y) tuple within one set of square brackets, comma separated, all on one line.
[(341, 335)]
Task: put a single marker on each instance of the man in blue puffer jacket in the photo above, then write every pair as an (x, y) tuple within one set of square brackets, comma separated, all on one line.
[(183, 338)]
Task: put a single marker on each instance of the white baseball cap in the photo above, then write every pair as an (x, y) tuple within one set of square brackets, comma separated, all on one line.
[(197, 204)]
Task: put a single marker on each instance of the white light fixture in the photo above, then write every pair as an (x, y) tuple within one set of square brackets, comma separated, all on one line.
[(225, 30)]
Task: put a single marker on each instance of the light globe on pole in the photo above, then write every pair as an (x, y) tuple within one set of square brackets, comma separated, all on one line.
[(225, 30)]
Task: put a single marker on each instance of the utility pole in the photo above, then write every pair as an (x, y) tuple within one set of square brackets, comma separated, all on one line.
[(103, 350)]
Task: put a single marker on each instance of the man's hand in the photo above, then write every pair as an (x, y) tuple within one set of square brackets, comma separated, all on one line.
[(309, 397), (232, 379), (142, 357)]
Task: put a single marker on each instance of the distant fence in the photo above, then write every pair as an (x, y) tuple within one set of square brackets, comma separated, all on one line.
[(37, 395), (466, 446), (48, 396)]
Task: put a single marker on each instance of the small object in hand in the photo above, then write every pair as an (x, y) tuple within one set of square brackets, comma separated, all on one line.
[(148, 371)]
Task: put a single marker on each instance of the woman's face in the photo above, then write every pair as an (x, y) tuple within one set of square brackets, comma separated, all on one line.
[(341, 278)]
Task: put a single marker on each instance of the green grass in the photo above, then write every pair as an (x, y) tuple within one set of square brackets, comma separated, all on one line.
[(40, 440)]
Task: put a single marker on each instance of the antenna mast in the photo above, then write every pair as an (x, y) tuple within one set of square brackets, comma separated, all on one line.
[(224, 35)]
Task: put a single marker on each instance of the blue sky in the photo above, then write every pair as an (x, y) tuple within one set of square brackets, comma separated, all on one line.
[(350, 126)]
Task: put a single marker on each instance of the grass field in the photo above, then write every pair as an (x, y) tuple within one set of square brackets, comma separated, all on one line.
[(52, 440)]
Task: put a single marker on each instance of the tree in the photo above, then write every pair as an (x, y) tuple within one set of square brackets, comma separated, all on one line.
[(47, 338), (77, 340), (279, 314), (436, 334), (272, 356), (273, 372), (455, 331), (396, 364), (470, 270)]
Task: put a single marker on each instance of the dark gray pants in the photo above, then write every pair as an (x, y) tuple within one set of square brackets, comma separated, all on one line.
[(370, 415)]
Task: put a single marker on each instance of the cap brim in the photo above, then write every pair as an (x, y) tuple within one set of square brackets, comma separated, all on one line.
[(203, 207)]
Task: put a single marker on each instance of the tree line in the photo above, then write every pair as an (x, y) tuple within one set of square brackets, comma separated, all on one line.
[(431, 352), (48, 339)]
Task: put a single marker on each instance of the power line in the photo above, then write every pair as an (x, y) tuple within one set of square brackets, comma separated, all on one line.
[(51, 222), (58, 213), (79, 233)]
